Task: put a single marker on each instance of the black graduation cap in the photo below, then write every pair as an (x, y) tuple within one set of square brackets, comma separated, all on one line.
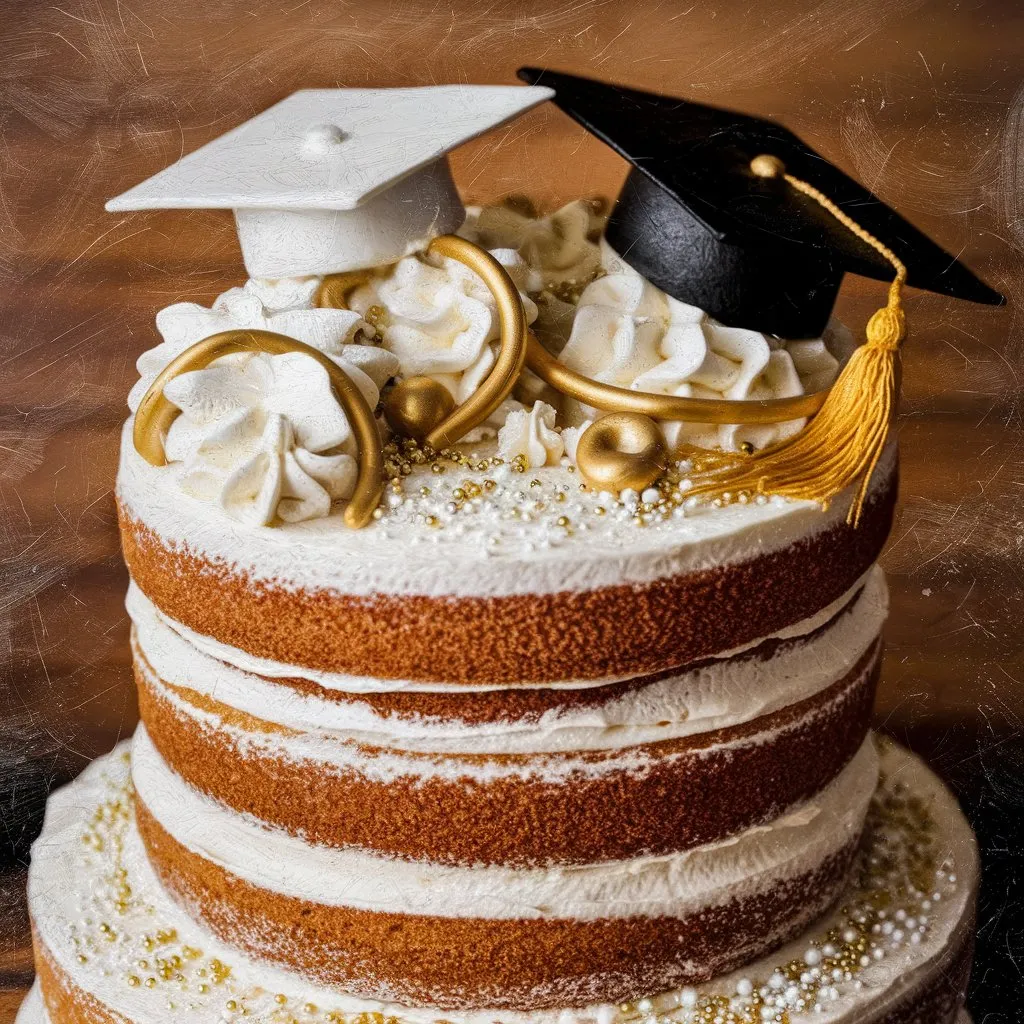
[(695, 220)]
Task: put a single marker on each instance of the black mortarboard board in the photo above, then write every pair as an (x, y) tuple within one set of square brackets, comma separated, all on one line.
[(696, 221)]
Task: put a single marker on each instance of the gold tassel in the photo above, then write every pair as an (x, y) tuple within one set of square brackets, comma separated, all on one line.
[(843, 442)]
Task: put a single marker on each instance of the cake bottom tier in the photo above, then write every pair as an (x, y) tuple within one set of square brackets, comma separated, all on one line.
[(111, 946), (33, 1011)]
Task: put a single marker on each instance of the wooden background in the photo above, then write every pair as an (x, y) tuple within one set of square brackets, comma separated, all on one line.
[(922, 100)]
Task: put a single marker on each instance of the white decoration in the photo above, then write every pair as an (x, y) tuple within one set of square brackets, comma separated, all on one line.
[(440, 319), (628, 333), (531, 434), (263, 436), (571, 438), (337, 179), (558, 248)]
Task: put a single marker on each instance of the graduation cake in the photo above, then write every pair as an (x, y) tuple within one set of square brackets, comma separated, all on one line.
[(505, 615)]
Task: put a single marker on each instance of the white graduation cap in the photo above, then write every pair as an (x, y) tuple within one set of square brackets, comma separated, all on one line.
[(330, 180)]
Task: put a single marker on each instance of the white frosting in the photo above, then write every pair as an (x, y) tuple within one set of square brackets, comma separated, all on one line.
[(70, 892), (485, 552), (629, 333), (263, 436), (532, 435), (439, 318), (654, 886), (371, 684), (558, 248), (720, 694)]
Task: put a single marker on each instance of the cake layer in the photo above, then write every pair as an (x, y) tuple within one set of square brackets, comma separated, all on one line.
[(113, 948), (503, 595), (664, 766), (462, 937)]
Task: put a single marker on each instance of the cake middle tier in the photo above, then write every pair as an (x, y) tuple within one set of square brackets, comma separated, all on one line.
[(528, 776), (462, 937)]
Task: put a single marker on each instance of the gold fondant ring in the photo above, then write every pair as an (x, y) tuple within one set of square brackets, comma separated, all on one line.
[(156, 413), (610, 398)]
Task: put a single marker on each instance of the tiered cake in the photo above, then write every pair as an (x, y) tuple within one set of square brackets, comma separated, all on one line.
[(521, 750)]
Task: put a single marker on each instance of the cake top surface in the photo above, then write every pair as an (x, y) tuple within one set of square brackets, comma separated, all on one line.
[(262, 457)]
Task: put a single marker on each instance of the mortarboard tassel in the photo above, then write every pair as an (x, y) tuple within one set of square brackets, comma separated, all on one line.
[(843, 442)]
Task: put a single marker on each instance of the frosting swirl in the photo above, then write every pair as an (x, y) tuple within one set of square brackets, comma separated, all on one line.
[(440, 320), (629, 333), (560, 249), (532, 435), (263, 436)]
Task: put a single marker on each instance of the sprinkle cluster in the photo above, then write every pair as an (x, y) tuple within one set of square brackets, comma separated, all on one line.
[(462, 494), (897, 883)]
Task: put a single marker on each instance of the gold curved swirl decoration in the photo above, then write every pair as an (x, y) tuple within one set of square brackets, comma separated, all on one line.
[(421, 407), (610, 398), (156, 413), (335, 289), (512, 349)]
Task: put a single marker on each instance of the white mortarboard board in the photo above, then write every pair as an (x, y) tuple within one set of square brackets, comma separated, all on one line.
[(330, 180)]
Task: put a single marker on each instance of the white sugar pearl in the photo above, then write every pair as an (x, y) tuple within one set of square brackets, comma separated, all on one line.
[(651, 495), (812, 957), (645, 1006), (744, 987), (688, 997)]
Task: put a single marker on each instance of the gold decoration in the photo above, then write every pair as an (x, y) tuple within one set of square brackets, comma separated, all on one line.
[(622, 451), (844, 441), (512, 349), (156, 413), (416, 406), (335, 289), (764, 165), (610, 398)]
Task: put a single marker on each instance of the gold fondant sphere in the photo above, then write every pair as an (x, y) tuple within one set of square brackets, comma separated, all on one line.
[(414, 406), (621, 451), (764, 165)]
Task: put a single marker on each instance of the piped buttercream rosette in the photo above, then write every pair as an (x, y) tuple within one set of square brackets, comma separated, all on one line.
[(263, 435), (628, 333), (440, 320)]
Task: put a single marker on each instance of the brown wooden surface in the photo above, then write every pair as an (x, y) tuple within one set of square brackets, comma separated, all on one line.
[(923, 100)]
